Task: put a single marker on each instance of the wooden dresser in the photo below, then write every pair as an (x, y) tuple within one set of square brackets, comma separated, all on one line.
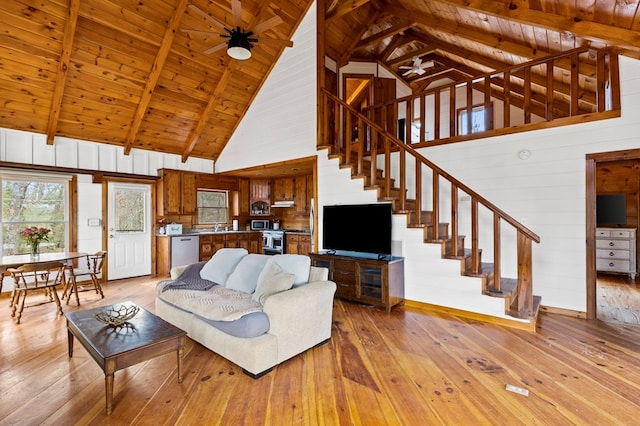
[(616, 250)]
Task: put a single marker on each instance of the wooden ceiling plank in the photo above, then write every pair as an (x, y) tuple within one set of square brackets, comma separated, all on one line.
[(345, 8), (589, 30), (206, 114), (357, 36), (397, 41), (61, 77), (154, 75)]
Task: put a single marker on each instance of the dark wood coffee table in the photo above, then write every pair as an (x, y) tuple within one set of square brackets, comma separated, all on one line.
[(144, 337)]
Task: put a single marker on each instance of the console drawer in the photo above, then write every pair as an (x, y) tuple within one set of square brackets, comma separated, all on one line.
[(612, 254), (613, 244), (614, 265)]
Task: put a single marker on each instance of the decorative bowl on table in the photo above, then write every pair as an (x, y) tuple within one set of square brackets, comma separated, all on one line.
[(117, 316)]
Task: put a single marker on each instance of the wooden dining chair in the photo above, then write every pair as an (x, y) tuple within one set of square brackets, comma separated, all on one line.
[(43, 277), (95, 263)]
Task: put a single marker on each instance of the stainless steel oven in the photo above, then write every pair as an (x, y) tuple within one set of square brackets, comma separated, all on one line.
[(273, 242)]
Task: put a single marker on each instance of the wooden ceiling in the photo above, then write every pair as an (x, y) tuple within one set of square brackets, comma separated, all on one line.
[(124, 72)]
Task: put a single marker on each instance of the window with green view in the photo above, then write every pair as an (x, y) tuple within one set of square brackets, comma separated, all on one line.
[(30, 202), (213, 207)]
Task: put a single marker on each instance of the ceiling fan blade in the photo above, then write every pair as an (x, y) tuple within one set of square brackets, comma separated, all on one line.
[(215, 48), (407, 73), (275, 41), (199, 32), (427, 64), (236, 9), (262, 52), (268, 24), (420, 71), (405, 67), (208, 18), (417, 61)]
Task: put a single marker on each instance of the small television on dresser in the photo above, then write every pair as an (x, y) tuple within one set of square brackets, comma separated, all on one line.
[(357, 229), (611, 210)]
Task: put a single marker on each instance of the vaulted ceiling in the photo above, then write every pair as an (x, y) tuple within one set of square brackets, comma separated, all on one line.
[(151, 74)]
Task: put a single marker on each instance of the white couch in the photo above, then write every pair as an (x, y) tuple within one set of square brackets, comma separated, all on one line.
[(297, 319)]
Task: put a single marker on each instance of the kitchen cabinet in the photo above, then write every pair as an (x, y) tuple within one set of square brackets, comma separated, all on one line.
[(378, 282), (176, 193), (283, 189), (260, 199), (244, 197), (302, 196), (298, 243), (210, 243)]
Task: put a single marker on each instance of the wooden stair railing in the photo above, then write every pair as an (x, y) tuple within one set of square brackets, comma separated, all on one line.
[(521, 302)]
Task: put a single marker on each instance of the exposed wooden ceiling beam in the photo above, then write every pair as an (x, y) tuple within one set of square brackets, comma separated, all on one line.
[(411, 55), (356, 39), (344, 8), (381, 35), (154, 75), (192, 140), (63, 66), (397, 41), (518, 11)]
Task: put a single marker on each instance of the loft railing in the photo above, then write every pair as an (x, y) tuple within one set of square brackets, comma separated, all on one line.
[(571, 87)]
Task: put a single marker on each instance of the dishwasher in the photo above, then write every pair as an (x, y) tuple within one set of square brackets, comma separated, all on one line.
[(185, 250)]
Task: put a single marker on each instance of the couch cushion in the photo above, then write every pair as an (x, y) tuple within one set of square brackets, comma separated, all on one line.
[(249, 325), (296, 264), (272, 280), (245, 276), (222, 264)]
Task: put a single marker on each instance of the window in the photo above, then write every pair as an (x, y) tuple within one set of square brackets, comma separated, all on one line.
[(213, 206), (33, 201), (480, 119)]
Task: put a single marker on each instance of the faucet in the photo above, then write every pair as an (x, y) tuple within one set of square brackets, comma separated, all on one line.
[(216, 227)]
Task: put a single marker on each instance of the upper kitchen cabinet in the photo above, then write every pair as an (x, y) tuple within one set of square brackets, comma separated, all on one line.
[(303, 194), (176, 193), (283, 189), (260, 199), (244, 197)]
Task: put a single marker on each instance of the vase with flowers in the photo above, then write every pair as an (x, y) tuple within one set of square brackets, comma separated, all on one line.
[(34, 235)]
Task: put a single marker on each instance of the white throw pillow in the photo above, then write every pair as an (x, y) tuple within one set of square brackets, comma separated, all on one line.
[(296, 264), (245, 277), (273, 280), (222, 264)]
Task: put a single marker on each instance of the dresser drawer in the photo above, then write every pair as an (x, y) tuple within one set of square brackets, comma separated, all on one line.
[(622, 233), (615, 265), (602, 234), (612, 254), (613, 244)]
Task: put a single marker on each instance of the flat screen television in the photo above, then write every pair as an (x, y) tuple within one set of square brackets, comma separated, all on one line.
[(360, 228), (611, 209)]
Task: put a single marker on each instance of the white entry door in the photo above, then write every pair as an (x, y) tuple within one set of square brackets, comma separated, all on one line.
[(129, 230)]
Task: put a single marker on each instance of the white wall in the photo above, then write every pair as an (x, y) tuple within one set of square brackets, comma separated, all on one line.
[(281, 122)]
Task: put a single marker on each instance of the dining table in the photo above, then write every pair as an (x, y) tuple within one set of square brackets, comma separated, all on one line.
[(17, 260)]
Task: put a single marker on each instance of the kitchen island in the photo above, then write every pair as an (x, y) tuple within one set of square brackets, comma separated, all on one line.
[(209, 242)]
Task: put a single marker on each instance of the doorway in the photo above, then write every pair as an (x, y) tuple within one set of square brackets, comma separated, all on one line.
[(611, 297), (129, 227)]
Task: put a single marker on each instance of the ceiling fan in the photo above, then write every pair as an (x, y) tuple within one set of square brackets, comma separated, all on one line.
[(240, 41), (417, 67)]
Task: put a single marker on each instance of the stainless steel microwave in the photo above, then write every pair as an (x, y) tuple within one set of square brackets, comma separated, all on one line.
[(259, 224)]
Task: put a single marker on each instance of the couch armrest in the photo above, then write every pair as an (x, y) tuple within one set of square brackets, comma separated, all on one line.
[(301, 317), (176, 271)]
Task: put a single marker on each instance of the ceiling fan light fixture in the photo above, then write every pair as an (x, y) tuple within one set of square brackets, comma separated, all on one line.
[(239, 46)]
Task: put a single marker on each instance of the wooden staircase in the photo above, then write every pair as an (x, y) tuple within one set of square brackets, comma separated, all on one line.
[(507, 287)]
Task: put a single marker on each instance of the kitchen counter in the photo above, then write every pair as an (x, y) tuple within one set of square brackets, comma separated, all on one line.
[(206, 232)]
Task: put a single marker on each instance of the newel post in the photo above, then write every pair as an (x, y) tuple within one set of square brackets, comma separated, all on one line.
[(525, 278)]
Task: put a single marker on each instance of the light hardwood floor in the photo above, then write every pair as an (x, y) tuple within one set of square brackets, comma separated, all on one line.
[(403, 368), (618, 298)]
